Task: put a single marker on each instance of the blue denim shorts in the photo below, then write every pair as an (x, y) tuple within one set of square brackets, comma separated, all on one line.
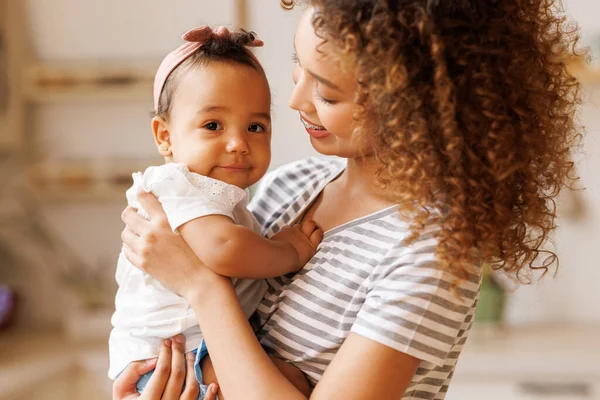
[(200, 353)]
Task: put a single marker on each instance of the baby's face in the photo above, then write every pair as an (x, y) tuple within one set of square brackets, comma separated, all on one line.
[(220, 123)]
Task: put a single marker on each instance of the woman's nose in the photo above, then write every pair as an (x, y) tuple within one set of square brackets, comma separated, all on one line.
[(301, 98)]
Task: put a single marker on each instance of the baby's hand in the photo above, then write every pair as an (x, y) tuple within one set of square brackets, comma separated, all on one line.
[(303, 237)]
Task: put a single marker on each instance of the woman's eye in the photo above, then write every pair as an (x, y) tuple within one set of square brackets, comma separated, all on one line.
[(213, 126), (256, 128), (326, 101)]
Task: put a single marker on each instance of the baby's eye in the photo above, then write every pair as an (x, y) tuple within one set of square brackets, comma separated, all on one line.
[(256, 128), (213, 126)]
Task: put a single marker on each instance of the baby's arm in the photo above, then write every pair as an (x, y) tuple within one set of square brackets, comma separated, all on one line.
[(239, 252)]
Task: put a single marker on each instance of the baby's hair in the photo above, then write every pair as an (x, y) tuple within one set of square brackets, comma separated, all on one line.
[(230, 49)]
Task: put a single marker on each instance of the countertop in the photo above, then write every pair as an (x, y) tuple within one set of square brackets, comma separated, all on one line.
[(536, 350)]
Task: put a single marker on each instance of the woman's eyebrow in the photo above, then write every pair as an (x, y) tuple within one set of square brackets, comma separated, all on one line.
[(324, 81), (315, 76)]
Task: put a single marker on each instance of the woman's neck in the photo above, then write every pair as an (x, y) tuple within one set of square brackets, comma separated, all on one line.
[(360, 178)]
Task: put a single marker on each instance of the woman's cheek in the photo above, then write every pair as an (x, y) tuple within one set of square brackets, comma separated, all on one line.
[(338, 121)]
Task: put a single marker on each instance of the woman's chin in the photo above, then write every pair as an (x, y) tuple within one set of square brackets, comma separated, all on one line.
[(326, 146), (329, 147)]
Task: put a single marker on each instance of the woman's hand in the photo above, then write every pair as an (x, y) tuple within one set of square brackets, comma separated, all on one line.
[(171, 371), (152, 246)]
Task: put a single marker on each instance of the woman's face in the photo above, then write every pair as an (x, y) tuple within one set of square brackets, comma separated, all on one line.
[(324, 94)]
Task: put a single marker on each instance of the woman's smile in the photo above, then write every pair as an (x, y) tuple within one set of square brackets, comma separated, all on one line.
[(314, 130)]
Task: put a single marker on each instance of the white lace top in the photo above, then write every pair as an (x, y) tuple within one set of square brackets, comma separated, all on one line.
[(145, 311)]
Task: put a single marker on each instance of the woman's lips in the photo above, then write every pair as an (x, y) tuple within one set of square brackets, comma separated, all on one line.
[(314, 130)]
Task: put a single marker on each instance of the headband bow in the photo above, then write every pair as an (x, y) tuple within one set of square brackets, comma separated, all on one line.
[(194, 39)]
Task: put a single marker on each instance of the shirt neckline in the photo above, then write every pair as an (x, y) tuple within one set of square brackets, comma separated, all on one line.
[(346, 225)]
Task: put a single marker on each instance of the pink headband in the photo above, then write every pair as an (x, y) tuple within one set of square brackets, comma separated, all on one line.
[(195, 38)]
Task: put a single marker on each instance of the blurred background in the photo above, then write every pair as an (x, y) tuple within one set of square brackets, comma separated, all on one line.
[(75, 100)]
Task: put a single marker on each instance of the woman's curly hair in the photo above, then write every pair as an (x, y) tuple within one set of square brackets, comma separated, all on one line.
[(471, 111)]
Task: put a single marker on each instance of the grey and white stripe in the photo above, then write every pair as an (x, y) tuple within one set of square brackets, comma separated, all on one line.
[(363, 279)]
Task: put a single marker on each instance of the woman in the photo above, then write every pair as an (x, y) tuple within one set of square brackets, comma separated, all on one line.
[(455, 120)]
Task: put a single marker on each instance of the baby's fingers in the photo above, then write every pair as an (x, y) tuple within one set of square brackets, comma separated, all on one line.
[(316, 237), (308, 228)]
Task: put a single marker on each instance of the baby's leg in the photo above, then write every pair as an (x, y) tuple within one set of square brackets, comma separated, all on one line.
[(293, 374)]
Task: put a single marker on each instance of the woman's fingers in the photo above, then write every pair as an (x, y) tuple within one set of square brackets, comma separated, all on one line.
[(177, 377), (192, 389), (150, 203), (125, 385), (211, 393), (129, 238), (158, 381), (134, 221), (133, 257)]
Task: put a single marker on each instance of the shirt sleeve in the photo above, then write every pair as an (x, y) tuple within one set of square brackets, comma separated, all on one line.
[(265, 204), (410, 305), (185, 195)]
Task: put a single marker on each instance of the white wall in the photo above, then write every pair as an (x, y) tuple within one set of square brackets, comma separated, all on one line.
[(117, 29), (574, 294)]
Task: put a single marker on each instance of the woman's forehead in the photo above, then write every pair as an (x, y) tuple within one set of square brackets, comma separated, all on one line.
[(319, 57)]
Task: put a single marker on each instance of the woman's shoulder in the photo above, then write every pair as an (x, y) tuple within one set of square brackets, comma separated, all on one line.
[(290, 185), (308, 169)]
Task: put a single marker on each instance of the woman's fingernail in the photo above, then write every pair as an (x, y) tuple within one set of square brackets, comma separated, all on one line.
[(190, 356), (213, 388), (151, 361), (180, 339), (167, 342)]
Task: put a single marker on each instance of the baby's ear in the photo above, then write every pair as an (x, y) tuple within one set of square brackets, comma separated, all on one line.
[(162, 137)]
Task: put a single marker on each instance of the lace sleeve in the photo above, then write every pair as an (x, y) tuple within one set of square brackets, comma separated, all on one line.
[(186, 195)]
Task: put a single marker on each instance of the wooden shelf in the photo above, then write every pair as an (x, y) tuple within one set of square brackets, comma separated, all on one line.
[(85, 180), (14, 52), (48, 83)]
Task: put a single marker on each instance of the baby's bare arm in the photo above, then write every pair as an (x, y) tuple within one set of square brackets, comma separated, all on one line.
[(293, 374), (236, 251), (239, 252)]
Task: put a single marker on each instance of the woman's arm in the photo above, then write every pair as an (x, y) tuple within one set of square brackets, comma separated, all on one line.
[(243, 368), (374, 370)]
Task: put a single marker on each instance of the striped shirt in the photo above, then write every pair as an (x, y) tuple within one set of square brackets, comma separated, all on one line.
[(363, 279)]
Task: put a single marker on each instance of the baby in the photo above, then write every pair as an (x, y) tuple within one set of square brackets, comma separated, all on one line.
[(212, 124)]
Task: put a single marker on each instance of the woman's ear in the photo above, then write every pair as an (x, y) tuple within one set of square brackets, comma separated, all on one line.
[(162, 137)]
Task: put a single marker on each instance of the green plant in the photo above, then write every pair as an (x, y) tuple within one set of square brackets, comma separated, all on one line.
[(495, 287)]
